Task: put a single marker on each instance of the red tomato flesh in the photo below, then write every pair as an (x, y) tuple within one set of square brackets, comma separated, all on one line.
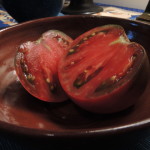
[(36, 65), (100, 68)]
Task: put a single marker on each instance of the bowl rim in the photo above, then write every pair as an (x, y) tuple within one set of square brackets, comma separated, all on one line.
[(7, 127), (71, 16)]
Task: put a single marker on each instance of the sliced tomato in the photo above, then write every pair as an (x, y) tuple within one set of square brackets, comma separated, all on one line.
[(36, 65), (103, 72)]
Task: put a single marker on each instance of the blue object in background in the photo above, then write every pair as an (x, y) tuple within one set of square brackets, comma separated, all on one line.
[(5, 19)]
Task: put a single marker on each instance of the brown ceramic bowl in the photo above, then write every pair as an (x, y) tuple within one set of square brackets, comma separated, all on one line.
[(20, 113)]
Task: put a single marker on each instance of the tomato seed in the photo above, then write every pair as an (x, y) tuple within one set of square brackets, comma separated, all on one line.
[(106, 86), (74, 49), (93, 34), (85, 39), (23, 49), (30, 78), (72, 63), (61, 40), (134, 56), (48, 80), (85, 71), (95, 73), (77, 45), (71, 51), (52, 87), (113, 78), (83, 78), (24, 68)]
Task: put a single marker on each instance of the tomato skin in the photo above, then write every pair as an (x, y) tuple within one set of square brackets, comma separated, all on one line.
[(83, 86), (36, 65)]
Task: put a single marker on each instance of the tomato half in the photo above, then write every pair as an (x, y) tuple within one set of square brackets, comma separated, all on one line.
[(103, 72), (36, 65)]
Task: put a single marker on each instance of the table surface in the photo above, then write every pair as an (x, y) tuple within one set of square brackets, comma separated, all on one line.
[(139, 140)]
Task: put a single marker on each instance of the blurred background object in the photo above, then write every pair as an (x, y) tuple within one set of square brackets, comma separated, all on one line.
[(24, 10), (139, 4), (148, 7), (77, 7), (146, 15)]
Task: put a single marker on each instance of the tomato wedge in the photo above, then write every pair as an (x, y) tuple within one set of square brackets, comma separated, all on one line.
[(103, 71), (36, 65)]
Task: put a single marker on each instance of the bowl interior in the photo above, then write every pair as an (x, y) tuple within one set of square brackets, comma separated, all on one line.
[(30, 116)]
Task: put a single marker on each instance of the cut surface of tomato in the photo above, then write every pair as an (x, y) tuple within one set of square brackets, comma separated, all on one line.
[(36, 65), (100, 69)]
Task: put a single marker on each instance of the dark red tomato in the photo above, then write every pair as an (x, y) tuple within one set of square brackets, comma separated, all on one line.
[(103, 72), (36, 65)]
